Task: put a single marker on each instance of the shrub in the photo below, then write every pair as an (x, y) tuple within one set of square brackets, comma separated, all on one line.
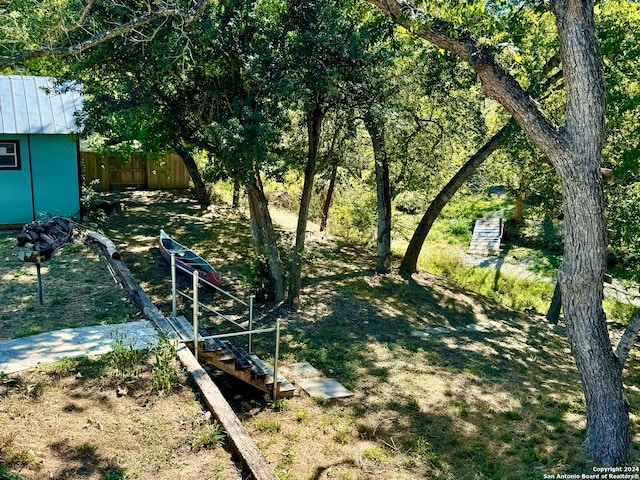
[(411, 201), (164, 375), (618, 311), (354, 216), (211, 436), (124, 356)]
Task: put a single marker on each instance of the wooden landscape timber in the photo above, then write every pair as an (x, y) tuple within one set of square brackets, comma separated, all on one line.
[(242, 444), (107, 245)]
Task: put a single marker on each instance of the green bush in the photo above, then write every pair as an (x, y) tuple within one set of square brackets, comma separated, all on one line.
[(412, 202), (124, 356), (354, 216), (211, 436)]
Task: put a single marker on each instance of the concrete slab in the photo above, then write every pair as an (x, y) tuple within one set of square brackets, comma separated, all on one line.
[(49, 347), (475, 327), (485, 325), (433, 331), (324, 388), (302, 370), (420, 333), (13, 361), (442, 330)]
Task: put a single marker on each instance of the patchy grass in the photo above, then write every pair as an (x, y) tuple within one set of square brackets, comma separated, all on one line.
[(506, 404), (91, 424), (78, 291)]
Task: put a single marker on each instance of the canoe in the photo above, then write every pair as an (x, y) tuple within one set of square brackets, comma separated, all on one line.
[(187, 259)]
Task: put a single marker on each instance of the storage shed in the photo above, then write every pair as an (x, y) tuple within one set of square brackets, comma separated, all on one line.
[(39, 149)]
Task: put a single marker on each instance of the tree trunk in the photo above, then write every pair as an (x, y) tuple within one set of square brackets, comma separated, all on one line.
[(584, 262), (581, 277), (553, 314), (383, 190), (202, 193), (264, 237), (628, 338), (333, 158), (410, 261), (329, 197), (236, 192), (314, 127), (518, 213)]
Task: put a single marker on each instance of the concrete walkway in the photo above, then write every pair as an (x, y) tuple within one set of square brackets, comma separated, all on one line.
[(28, 352)]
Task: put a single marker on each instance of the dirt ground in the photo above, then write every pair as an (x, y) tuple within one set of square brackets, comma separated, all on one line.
[(77, 420), (502, 404)]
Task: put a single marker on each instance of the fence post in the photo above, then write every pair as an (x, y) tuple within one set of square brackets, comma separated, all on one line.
[(275, 362), (251, 297), (174, 301), (195, 313)]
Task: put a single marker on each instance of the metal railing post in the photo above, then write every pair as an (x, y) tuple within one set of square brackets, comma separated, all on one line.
[(251, 297), (196, 279), (275, 362), (174, 299)]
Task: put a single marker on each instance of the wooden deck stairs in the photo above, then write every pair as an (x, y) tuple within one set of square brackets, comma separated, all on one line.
[(233, 360), (487, 235)]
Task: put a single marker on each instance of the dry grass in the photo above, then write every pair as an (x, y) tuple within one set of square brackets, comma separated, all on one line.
[(71, 421), (78, 291), (500, 405)]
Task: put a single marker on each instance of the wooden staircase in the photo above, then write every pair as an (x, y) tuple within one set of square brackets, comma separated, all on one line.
[(487, 235), (235, 361)]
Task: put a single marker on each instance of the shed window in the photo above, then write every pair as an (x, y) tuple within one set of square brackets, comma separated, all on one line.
[(9, 155)]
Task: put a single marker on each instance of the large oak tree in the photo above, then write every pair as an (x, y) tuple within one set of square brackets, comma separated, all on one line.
[(574, 148)]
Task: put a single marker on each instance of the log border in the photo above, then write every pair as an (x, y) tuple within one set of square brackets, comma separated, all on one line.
[(252, 460)]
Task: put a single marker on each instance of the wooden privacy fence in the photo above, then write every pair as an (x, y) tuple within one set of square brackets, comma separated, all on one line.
[(141, 171)]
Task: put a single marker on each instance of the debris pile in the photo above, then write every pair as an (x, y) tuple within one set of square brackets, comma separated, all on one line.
[(40, 240)]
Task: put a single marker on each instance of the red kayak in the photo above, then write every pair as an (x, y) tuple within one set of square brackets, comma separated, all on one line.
[(187, 259)]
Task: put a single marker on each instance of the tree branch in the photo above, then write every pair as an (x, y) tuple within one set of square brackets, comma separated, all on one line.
[(141, 20), (496, 81), (83, 17), (628, 338)]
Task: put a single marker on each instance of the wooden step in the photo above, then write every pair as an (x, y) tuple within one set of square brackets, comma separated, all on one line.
[(233, 360), (184, 329), (243, 362), (246, 367), (258, 369), (285, 388), (487, 235), (213, 345)]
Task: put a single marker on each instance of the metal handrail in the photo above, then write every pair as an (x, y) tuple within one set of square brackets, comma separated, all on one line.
[(238, 334), (212, 285), (245, 331), (175, 292), (212, 310)]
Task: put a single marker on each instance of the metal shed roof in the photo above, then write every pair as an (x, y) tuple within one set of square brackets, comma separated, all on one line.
[(36, 105)]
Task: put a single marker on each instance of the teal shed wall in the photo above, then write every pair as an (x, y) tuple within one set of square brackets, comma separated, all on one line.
[(49, 164)]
